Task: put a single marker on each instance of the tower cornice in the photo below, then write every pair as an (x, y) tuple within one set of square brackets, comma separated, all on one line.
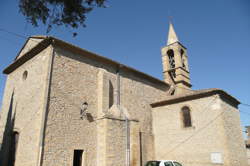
[(177, 42)]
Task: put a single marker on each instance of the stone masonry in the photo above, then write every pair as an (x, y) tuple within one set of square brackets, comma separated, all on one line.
[(60, 98)]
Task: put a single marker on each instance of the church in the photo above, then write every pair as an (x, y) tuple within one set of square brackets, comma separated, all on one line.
[(66, 106)]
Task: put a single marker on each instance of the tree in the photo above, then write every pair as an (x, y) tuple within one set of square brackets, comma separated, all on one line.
[(70, 13)]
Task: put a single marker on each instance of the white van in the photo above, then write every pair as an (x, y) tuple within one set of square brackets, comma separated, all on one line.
[(163, 163)]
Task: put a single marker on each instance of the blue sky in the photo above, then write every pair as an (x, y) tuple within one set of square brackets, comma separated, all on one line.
[(216, 33)]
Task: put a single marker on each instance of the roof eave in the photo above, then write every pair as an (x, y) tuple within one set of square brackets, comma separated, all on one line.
[(92, 55), (57, 42), (27, 56), (234, 101)]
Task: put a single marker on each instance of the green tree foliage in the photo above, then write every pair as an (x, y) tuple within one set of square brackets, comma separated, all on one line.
[(70, 13)]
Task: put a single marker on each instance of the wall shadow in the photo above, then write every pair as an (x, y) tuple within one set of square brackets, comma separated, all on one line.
[(5, 157)]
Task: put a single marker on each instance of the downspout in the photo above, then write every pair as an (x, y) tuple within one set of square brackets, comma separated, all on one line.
[(46, 107), (127, 142), (126, 118), (118, 101)]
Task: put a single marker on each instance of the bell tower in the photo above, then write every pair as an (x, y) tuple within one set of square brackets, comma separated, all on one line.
[(175, 64)]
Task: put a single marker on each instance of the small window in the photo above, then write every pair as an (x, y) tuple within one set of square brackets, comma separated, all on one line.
[(172, 93), (78, 158), (25, 75), (111, 94), (186, 117)]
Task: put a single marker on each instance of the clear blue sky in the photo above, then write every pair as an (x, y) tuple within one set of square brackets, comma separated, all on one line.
[(216, 33)]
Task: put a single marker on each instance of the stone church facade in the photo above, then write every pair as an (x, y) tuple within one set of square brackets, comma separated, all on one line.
[(66, 106)]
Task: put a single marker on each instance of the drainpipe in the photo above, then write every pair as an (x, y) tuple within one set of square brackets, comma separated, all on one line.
[(126, 118), (118, 87), (127, 142)]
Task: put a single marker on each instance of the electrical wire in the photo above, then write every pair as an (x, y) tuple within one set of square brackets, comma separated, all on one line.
[(22, 36), (198, 131), (244, 112), (19, 35), (244, 104), (13, 33)]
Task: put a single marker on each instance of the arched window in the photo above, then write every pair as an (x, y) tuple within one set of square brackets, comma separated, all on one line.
[(25, 75), (183, 59), (171, 62), (186, 117), (111, 94)]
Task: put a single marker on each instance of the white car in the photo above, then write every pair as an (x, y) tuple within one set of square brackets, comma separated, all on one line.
[(163, 163)]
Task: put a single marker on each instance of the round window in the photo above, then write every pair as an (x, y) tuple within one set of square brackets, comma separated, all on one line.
[(25, 75)]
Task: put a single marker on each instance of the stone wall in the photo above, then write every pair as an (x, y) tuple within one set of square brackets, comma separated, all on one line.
[(233, 136), (74, 81), (116, 143), (55, 98), (137, 95), (248, 156), (215, 129), (28, 105), (77, 79), (30, 43)]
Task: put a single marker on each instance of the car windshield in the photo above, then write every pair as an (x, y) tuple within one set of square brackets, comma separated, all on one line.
[(168, 163), (153, 163), (177, 164)]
